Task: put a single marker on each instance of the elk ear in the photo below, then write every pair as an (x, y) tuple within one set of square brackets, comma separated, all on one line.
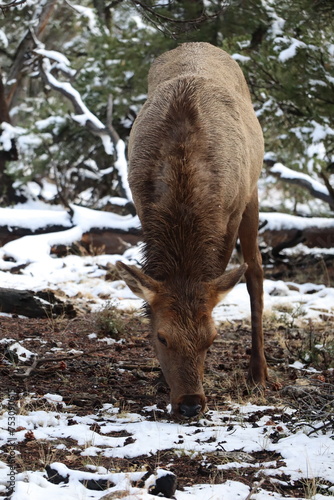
[(139, 283), (221, 286)]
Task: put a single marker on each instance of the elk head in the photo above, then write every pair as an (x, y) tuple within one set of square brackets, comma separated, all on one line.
[(182, 329)]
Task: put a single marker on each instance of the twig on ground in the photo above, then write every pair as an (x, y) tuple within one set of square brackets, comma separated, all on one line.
[(41, 361), (254, 489)]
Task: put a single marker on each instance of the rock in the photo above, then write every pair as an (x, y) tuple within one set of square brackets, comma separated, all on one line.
[(54, 477), (162, 483)]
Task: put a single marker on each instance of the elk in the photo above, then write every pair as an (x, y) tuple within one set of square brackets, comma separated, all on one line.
[(195, 155)]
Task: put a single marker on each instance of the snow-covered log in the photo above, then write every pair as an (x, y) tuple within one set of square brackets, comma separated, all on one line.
[(53, 230), (34, 304), (49, 231), (113, 233), (283, 230)]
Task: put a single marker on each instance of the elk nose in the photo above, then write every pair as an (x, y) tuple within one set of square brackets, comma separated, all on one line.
[(189, 410)]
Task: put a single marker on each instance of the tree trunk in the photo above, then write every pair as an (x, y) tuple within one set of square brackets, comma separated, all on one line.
[(16, 73), (7, 192)]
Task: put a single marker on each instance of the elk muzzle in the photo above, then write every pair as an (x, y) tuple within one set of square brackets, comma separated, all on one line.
[(189, 406)]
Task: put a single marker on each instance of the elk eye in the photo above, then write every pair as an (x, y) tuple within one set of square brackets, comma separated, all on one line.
[(162, 339)]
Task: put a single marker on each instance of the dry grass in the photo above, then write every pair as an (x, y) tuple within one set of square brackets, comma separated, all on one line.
[(109, 322)]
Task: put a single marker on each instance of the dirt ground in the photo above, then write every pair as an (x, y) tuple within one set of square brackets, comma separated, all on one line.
[(87, 372)]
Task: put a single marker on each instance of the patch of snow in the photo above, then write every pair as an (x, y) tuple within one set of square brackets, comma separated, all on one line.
[(303, 456), (284, 222), (122, 167), (22, 353), (9, 133), (37, 248), (90, 15), (52, 121), (3, 39), (240, 58), (298, 365), (291, 51), (54, 398), (23, 216), (53, 55)]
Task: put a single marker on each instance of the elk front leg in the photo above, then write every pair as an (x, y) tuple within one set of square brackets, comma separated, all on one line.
[(248, 230)]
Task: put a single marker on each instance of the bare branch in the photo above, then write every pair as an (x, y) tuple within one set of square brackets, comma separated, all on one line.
[(297, 238), (254, 489), (34, 368), (327, 184)]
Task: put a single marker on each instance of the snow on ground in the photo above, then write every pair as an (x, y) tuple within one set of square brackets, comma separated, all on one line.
[(83, 277), (305, 457)]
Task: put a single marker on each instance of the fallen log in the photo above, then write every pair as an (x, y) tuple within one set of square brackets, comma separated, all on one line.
[(42, 304), (278, 229), (111, 241)]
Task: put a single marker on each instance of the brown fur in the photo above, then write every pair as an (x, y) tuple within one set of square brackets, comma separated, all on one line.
[(195, 152)]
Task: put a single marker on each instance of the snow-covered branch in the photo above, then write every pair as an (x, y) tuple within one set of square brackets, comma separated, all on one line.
[(89, 14), (83, 115), (317, 189), (14, 3), (108, 135)]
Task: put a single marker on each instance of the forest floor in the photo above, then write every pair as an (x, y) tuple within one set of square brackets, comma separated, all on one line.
[(88, 371)]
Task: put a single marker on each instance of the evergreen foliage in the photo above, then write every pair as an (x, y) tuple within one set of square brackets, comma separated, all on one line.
[(288, 59), (286, 50)]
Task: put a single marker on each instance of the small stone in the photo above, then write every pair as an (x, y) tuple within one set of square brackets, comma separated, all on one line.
[(54, 477), (165, 484)]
